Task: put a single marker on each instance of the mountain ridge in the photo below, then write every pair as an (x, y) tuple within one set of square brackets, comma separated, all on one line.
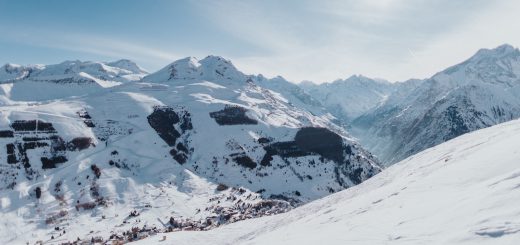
[(458, 192), (199, 144), (477, 93), (188, 147)]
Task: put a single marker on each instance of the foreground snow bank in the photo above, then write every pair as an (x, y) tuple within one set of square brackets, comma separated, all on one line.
[(464, 191)]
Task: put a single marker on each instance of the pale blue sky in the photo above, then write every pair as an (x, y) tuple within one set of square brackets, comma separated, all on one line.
[(300, 40)]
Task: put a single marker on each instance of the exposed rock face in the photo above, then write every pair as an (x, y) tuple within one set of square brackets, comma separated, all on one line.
[(170, 126), (328, 145), (232, 115), (79, 143), (309, 141), (321, 141), (33, 125), (243, 160), (163, 120), (52, 162), (28, 135), (6, 134)]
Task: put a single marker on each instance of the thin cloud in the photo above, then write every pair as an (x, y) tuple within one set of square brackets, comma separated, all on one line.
[(323, 41), (90, 44), (252, 22), (310, 40)]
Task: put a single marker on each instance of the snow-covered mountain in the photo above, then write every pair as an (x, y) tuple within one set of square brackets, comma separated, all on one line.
[(192, 146), (70, 78), (464, 191), (348, 99), (478, 93), (294, 93)]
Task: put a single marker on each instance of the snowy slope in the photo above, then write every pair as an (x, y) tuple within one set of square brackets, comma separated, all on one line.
[(267, 126), (295, 94), (69, 78), (478, 93), (350, 98), (198, 142), (464, 191)]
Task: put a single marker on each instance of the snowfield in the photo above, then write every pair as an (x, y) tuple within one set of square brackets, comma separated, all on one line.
[(464, 191), (191, 147)]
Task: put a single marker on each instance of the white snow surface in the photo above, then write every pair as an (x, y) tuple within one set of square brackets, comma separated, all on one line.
[(351, 97), (464, 191), (136, 164), (69, 78)]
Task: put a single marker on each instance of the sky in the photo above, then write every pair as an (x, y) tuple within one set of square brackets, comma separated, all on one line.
[(318, 41)]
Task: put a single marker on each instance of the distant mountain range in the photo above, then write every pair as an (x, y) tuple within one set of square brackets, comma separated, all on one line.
[(401, 119), (96, 149)]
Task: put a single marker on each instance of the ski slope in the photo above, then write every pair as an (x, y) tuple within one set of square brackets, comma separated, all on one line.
[(464, 191)]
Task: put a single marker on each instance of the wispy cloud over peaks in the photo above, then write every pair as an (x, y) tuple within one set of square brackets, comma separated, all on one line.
[(300, 40)]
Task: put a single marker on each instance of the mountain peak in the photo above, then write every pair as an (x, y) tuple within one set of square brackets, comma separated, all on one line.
[(9, 66), (505, 48), (360, 79), (486, 65), (498, 52), (188, 62), (11, 72), (217, 62), (127, 65), (115, 72), (185, 68), (210, 68), (215, 59), (217, 67)]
